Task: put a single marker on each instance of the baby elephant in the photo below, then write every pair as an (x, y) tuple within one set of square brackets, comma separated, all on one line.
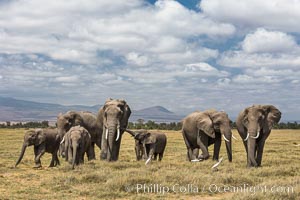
[(44, 140), (77, 141), (149, 144)]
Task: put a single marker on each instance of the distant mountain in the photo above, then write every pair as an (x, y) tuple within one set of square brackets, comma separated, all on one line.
[(156, 113), (19, 110)]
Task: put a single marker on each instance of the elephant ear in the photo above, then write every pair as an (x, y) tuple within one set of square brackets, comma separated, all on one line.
[(273, 114), (126, 114), (245, 117), (149, 138), (75, 119), (40, 136), (205, 124)]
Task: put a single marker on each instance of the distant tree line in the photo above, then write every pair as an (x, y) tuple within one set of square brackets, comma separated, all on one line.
[(140, 124), (42, 124)]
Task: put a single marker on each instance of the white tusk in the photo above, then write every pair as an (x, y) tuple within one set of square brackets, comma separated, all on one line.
[(106, 134), (118, 134), (225, 138), (256, 135), (63, 140), (195, 160), (234, 137), (217, 164), (147, 161), (247, 137), (296, 145)]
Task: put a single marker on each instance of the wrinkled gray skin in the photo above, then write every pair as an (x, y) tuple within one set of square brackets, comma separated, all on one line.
[(202, 129), (85, 119), (254, 125), (77, 142), (43, 140), (149, 144), (114, 118)]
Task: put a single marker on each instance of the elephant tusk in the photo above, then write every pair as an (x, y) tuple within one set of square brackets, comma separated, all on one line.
[(256, 135), (247, 137), (106, 133), (118, 134), (225, 138), (234, 137), (63, 140)]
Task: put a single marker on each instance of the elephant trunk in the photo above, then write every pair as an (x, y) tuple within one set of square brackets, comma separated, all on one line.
[(111, 142), (21, 154), (75, 149), (253, 132), (130, 132), (227, 134)]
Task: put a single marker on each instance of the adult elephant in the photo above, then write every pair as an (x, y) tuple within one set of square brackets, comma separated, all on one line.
[(254, 125), (114, 118), (202, 129), (85, 119)]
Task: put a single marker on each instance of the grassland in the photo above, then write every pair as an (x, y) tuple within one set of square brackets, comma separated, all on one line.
[(278, 178)]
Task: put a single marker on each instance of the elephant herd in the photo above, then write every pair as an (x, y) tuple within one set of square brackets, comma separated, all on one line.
[(77, 133)]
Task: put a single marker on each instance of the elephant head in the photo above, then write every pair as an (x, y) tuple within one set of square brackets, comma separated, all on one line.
[(221, 124), (144, 137), (114, 114), (32, 137), (66, 121), (260, 117)]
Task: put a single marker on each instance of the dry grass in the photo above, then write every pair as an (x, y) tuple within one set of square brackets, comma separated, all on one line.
[(101, 180)]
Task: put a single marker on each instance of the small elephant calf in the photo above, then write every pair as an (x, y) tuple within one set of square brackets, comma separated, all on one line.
[(149, 144), (44, 140), (75, 143)]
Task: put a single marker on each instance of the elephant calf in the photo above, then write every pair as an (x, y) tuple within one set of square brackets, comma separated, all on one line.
[(44, 140), (149, 144), (75, 143)]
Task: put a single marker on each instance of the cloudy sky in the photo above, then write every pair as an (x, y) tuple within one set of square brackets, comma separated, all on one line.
[(183, 55)]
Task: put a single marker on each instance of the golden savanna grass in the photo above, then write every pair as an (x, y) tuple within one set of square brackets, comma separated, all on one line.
[(278, 178)]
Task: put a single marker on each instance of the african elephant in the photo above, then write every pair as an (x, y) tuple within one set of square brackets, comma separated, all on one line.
[(254, 125), (77, 141), (44, 140), (85, 119), (114, 118), (152, 143), (201, 129)]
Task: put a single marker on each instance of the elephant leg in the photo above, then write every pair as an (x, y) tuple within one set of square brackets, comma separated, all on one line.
[(91, 154), (195, 153), (155, 156), (39, 152), (203, 144), (53, 161), (260, 149), (104, 146), (189, 155), (217, 147), (161, 155), (57, 160), (138, 151)]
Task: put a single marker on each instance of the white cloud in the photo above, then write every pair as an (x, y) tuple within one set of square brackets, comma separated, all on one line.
[(274, 14), (79, 30), (263, 41)]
